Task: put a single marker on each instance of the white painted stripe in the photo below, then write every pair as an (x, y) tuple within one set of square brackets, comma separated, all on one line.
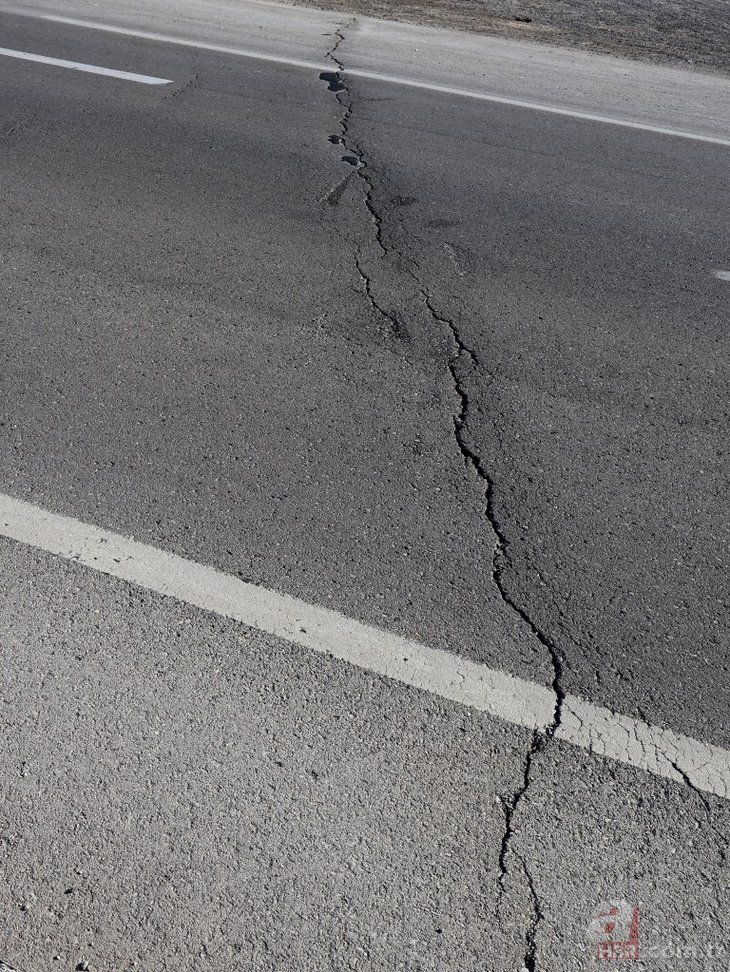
[(592, 727), (551, 109), (181, 42), (393, 79), (722, 274), (88, 68)]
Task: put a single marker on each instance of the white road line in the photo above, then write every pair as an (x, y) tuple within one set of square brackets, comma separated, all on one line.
[(591, 727), (721, 274), (550, 109), (181, 42), (88, 68), (392, 79)]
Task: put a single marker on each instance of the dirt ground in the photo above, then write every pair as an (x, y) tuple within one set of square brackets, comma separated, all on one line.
[(694, 33)]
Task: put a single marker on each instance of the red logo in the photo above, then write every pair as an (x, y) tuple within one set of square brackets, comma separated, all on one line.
[(615, 931)]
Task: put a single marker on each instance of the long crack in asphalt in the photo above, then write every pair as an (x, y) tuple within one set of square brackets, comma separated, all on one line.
[(354, 156), (461, 363)]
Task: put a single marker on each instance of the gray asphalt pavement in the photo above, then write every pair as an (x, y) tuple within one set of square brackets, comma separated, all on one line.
[(454, 368), (182, 793)]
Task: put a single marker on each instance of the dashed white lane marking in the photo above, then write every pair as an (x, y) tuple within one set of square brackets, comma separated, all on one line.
[(393, 79), (592, 727), (78, 66), (721, 274)]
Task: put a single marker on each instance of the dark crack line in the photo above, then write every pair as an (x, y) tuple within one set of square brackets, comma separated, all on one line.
[(177, 90), (510, 805), (474, 461), (344, 97), (538, 916), (461, 362), (337, 82), (722, 841), (367, 285)]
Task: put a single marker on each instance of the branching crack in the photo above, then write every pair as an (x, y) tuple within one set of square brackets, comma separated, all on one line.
[(462, 361), (460, 364), (337, 83), (367, 285), (722, 841)]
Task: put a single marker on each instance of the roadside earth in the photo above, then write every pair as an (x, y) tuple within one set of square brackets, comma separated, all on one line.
[(695, 34)]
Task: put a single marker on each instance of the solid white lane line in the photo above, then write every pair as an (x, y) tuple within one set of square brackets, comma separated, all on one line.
[(538, 106), (721, 274), (88, 68), (181, 42), (393, 79), (522, 703)]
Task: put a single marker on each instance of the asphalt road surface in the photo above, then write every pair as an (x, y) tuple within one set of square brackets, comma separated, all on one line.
[(428, 334)]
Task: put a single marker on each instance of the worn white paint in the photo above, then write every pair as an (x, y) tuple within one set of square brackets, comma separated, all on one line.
[(585, 724)]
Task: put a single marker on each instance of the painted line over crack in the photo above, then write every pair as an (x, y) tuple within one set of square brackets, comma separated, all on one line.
[(80, 66), (392, 79), (591, 727)]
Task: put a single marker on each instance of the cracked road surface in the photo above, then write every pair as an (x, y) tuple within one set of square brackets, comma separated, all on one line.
[(453, 368)]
